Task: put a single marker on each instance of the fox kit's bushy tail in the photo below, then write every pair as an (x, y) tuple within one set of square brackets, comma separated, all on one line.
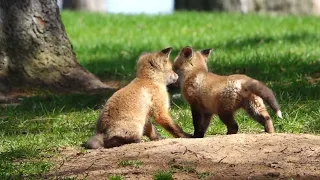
[(259, 89), (101, 141), (96, 142)]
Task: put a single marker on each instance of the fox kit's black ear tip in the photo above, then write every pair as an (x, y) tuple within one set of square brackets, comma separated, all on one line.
[(206, 52), (187, 52), (167, 50)]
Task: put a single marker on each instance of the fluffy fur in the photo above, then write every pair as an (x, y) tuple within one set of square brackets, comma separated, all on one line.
[(209, 93), (126, 115)]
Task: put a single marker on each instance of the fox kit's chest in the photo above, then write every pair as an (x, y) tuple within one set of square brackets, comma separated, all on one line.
[(193, 88), (146, 100), (161, 96)]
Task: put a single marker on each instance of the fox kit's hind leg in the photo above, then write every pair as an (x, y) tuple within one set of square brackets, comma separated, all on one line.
[(151, 132), (258, 111), (201, 122), (228, 119)]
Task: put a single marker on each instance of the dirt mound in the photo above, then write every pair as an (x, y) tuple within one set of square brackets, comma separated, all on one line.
[(241, 156)]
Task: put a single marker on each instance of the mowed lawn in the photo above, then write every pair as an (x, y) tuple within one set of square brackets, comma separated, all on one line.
[(283, 52)]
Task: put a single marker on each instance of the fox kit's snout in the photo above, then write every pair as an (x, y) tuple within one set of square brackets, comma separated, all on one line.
[(173, 77)]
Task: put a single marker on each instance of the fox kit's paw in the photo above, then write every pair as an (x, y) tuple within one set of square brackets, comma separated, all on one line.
[(91, 145), (159, 138), (96, 142), (187, 135)]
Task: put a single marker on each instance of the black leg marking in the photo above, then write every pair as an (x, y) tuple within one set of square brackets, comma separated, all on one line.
[(228, 119), (201, 122)]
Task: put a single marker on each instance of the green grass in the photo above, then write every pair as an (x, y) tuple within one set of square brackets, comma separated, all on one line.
[(163, 175), (204, 175), (115, 177), (132, 163), (281, 51)]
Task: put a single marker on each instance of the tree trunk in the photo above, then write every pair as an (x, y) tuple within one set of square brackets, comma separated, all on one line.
[(35, 50)]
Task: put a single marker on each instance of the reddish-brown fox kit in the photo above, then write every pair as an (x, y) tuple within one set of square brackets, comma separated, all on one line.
[(210, 94), (126, 115)]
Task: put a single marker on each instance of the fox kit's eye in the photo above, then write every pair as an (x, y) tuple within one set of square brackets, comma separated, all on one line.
[(151, 62)]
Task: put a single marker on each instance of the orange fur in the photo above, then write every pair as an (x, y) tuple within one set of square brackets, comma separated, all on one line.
[(126, 116), (209, 93)]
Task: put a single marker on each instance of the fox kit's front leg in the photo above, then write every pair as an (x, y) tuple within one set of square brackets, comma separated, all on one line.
[(165, 120), (160, 112), (227, 118), (201, 121)]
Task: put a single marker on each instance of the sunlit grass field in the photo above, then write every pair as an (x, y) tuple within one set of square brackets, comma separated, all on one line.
[(282, 51)]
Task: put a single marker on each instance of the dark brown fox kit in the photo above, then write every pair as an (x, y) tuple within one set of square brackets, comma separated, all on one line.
[(210, 94), (126, 115)]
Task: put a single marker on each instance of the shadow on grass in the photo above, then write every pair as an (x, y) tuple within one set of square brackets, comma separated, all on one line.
[(114, 61), (289, 38), (13, 165), (284, 71), (33, 130), (65, 103), (36, 115)]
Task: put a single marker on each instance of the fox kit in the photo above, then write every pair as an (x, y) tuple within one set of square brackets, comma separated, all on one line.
[(126, 115), (209, 94)]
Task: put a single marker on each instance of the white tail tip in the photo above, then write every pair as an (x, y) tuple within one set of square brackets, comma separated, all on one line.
[(279, 114)]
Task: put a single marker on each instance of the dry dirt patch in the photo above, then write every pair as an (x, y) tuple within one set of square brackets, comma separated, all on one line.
[(241, 156)]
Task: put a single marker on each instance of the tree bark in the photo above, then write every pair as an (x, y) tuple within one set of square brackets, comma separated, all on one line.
[(35, 50)]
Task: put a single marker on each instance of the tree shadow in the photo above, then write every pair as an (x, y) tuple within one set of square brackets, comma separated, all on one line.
[(116, 62), (14, 164), (286, 70), (254, 41), (36, 114), (286, 73)]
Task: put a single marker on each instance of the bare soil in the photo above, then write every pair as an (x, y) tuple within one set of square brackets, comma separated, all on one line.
[(240, 156)]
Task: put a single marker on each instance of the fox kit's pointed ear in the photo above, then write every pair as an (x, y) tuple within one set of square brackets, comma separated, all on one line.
[(167, 51), (206, 52), (187, 52)]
